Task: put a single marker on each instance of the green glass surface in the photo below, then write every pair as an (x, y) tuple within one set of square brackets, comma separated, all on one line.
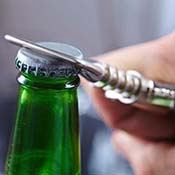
[(46, 134)]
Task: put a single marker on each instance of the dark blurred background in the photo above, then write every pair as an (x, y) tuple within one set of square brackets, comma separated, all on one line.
[(94, 26)]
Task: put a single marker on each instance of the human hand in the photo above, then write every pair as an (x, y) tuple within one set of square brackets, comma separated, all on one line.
[(142, 126), (146, 157)]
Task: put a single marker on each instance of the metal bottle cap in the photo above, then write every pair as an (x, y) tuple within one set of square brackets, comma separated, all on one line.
[(30, 62)]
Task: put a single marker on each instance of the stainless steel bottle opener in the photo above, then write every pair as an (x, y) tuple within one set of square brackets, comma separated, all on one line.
[(127, 87)]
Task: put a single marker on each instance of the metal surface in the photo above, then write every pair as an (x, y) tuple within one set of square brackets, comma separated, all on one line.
[(128, 87), (46, 66), (94, 71)]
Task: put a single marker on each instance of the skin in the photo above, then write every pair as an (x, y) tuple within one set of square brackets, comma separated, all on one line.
[(144, 134)]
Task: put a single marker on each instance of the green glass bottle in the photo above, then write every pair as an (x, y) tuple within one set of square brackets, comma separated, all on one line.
[(46, 134)]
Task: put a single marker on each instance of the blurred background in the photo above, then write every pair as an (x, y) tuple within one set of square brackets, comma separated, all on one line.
[(94, 26)]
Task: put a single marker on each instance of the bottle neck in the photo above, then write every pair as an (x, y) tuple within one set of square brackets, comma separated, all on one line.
[(46, 133), (48, 83)]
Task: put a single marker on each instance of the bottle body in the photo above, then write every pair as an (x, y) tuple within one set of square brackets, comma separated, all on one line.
[(46, 134)]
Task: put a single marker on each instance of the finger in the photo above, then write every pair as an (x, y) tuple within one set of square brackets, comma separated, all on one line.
[(152, 59), (127, 144), (140, 122), (146, 59), (146, 157), (134, 150)]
